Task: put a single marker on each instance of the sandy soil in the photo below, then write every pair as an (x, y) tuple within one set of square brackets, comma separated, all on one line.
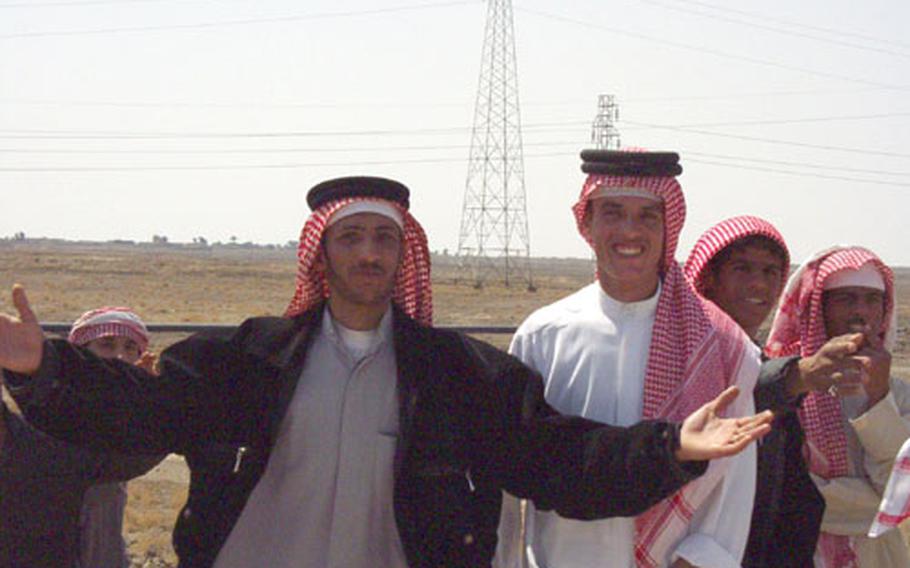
[(227, 284)]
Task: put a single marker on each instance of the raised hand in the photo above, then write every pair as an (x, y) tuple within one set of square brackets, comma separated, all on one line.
[(706, 435), (148, 362), (21, 338), (875, 373), (832, 368)]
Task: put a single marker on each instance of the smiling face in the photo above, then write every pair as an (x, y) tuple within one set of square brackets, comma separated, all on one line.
[(627, 233), (360, 257), (746, 284)]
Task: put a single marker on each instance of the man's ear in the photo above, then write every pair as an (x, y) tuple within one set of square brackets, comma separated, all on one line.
[(586, 218), (320, 263), (708, 283)]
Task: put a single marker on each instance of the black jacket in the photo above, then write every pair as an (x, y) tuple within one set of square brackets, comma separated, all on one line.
[(788, 509), (473, 422), (42, 484)]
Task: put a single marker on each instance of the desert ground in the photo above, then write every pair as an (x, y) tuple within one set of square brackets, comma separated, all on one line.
[(225, 284)]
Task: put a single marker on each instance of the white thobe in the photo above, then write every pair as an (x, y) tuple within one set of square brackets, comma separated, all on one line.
[(326, 497), (592, 352), (874, 436)]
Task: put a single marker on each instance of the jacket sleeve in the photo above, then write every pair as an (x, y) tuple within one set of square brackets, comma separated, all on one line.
[(770, 389), (119, 467), (579, 468), (113, 406)]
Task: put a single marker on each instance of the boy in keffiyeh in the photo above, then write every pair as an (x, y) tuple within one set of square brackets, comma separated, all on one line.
[(638, 343), (110, 333), (854, 430), (351, 433), (741, 264), (62, 505)]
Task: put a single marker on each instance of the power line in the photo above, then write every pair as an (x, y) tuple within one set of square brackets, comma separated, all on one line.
[(172, 151), (41, 134), (764, 122), (572, 146), (240, 22), (196, 105), (289, 165), (772, 140), (562, 154), (75, 4), (424, 104), (715, 52), (52, 134), (802, 174), (778, 30), (825, 167), (839, 32)]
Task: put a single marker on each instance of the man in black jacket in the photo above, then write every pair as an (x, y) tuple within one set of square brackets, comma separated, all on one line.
[(350, 432)]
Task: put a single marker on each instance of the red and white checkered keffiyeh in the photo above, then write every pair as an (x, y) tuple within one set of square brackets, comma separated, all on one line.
[(696, 352), (109, 322), (722, 235), (895, 505), (412, 292), (799, 329)]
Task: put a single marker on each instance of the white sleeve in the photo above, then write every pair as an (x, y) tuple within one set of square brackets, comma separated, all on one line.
[(719, 530), (509, 549), (850, 504), (882, 430), (510, 545)]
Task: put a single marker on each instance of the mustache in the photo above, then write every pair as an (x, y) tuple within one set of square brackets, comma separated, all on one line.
[(370, 268), (857, 325)]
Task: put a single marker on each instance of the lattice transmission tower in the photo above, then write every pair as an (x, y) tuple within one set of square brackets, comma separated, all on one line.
[(493, 242), (604, 134)]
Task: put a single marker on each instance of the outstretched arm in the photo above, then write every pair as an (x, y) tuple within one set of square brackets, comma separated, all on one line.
[(111, 405), (588, 470)]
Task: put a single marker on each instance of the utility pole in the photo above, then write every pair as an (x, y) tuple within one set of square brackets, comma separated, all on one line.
[(493, 242), (604, 134)]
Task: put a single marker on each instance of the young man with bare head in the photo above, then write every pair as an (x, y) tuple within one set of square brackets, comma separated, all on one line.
[(855, 429), (62, 505), (351, 433), (638, 343)]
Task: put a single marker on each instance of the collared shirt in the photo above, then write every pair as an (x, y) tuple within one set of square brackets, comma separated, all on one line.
[(326, 497), (592, 351)]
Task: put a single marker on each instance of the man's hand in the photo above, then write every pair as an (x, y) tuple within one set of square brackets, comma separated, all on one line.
[(831, 367), (148, 362), (705, 435), (21, 339), (876, 370)]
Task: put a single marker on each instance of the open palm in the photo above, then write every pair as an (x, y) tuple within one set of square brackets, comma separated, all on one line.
[(706, 435), (21, 338)]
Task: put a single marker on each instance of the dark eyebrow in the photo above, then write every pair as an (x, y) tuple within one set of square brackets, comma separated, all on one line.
[(352, 227)]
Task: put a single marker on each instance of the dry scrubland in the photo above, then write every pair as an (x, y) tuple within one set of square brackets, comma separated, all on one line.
[(227, 284)]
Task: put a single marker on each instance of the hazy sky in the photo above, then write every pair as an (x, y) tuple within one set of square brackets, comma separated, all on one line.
[(129, 118)]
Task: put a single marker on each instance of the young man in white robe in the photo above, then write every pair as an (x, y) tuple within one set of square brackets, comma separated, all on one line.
[(637, 343)]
